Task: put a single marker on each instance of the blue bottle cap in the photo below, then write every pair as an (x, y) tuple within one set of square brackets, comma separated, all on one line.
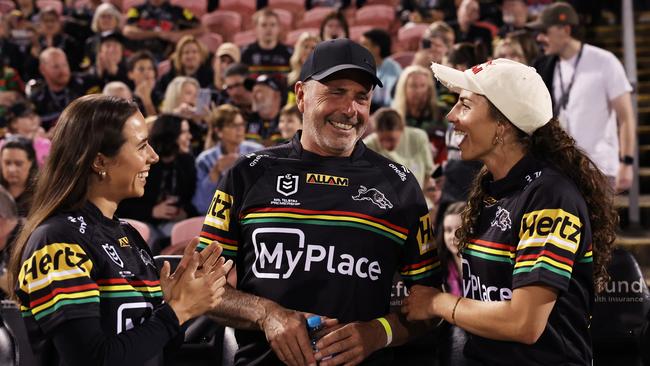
[(313, 321)]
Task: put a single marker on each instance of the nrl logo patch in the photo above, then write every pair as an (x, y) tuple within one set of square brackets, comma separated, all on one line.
[(112, 254), (287, 184), (328, 180), (373, 195), (502, 219)]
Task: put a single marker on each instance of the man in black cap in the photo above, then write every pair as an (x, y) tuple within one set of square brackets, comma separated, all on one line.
[(109, 63), (268, 98), (591, 93), (319, 226)]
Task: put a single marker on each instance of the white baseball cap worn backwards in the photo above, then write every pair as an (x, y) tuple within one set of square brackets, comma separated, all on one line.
[(517, 90)]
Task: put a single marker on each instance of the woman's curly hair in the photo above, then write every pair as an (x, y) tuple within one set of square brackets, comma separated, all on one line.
[(552, 144)]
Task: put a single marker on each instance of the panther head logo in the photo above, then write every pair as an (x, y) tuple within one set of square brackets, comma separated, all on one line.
[(373, 195), (502, 219)]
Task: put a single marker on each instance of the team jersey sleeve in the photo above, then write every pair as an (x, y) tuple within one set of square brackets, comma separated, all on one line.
[(54, 283), (132, 16), (551, 235), (221, 219), (419, 263)]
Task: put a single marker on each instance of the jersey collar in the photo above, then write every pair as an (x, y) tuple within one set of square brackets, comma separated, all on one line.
[(298, 152), (521, 174)]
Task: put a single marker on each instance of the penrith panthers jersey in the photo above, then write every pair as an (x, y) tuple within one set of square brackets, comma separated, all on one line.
[(80, 265), (321, 234), (534, 229)]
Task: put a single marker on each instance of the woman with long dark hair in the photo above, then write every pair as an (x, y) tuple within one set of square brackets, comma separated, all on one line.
[(89, 290), (538, 231), (170, 185), (18, 171)]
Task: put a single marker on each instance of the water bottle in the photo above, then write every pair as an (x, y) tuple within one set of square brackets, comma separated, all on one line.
[(314, 325)]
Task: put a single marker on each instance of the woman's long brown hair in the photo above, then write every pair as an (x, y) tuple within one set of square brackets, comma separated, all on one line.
[(89, 125), (552, 144)]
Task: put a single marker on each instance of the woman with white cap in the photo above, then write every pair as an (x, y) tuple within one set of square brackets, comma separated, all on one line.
[(537, 234)]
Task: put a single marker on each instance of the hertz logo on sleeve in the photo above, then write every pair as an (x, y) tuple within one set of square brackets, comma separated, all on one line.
[(425, 236), (329, 180), (555, 226), (54, 262), (219, 212)]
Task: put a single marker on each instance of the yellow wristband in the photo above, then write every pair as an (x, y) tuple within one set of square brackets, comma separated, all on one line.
[(389, 331)]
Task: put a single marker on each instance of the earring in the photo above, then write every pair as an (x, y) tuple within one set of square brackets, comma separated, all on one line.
[(102, 175), (497, 140)]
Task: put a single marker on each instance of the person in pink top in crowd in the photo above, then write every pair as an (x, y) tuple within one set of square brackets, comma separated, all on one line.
[(23, 121)]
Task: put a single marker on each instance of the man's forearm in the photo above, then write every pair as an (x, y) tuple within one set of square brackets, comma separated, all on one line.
[(241, 310), (135, 33), (404, 330)]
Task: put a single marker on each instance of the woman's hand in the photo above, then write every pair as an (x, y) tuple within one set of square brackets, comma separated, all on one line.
[(420, 304), (198, 282)]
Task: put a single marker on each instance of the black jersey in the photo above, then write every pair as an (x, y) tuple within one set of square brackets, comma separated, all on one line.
[(82, 265), (534, 229), (320, 234)]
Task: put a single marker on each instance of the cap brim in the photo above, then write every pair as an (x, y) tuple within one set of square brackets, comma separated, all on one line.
[(453, 79), (323, 74), (535, 25)]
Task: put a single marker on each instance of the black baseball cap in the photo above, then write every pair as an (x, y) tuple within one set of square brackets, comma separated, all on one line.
[(555, 14), (337, 55), (268, 81), (111, 36)]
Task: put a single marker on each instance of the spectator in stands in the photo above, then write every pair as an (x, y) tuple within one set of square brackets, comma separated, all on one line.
[(118, 89), (453, 337), (141, 71), (27, 8), (465, 28), (18, 171), (405, 145), (189, 59), (170, 185), (528, 44), (334, 26), (50, 34), (227, 54), (436, 42), (464, 55), (11, 87), (10, 224), (107, 18), (510, 49), (227, 133), (10, 54), (378, 42), (267, 55), (238, 86), (180, 97), (515, 16), (290, 121), (267, 103), (591, 94), (303, 47), (416, 100), (23, 121), (58, 87), (109, 64), (157, 25)]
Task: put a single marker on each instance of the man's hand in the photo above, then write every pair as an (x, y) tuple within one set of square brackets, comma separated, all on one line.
[(351, 343), (419, 304), (286, 332), (624, 178)]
